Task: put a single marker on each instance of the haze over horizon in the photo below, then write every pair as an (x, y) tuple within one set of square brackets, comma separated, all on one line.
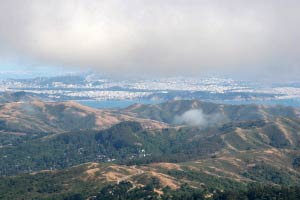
[(244, 39)]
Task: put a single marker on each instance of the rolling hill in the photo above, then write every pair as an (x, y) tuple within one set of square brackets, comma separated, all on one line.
[(166, 112), (144, 144), (8, 97), (58, 117), (130, 143)]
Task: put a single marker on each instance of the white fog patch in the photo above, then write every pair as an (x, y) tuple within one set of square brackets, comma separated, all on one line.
[(196, 117)]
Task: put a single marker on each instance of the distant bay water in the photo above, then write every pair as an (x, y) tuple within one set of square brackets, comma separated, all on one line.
[(294, 102)]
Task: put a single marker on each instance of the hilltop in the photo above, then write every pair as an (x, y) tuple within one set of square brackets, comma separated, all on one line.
[(41, 117), (8, 97)]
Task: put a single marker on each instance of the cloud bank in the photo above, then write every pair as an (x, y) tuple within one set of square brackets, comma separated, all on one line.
[(155, 37)]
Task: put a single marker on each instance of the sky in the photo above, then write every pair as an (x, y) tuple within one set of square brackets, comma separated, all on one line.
[(240, 38)]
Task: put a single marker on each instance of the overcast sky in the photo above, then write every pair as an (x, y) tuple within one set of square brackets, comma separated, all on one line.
[(250, 38)]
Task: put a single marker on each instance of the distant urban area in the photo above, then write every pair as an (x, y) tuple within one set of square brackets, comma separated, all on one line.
[(97, 88)]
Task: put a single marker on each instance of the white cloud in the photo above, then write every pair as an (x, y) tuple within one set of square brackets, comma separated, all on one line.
[(196, 117), (155, 37)]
